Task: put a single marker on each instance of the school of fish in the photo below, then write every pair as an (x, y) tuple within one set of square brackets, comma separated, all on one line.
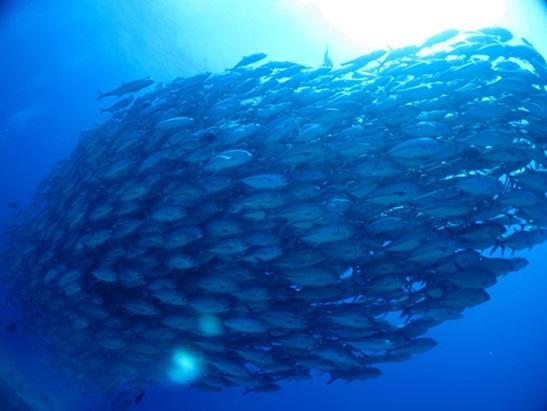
[(276, 220)]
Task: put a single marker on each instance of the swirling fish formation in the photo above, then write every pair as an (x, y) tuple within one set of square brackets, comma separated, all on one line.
[(277, 219)]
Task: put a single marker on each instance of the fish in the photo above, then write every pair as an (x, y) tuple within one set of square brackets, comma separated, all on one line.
[(417, 345), (328, 233), (364, 59), (440, 38), (104, 274), (170, 297), (126, 88), (141, 308), (502, 34), (311, 276), (245, 325), (417, 148), (358, 374), (227, 159), (265, 181), (14, 204), (270, 387), (327, 61), (119, 105), (396, 54), (168, 214), (250, 59), (11, 328), (175, 123), (140, 396), (181, 262)]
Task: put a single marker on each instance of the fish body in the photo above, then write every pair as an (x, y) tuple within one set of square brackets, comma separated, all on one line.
[(228, 159), (440, 38), (126, 88), (250, 59), (119, 105)]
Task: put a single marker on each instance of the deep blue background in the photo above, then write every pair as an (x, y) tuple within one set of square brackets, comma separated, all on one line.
[(54, 55)]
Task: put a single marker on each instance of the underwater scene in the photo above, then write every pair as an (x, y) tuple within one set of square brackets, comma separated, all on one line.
[(273, 205)]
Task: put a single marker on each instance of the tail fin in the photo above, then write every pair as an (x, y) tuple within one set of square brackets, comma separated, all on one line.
[(327, 61), (248, 308), (100, 95), (498, 245)]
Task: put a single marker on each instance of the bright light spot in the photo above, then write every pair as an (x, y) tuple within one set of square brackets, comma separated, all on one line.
[(395, 23), (185, 367), (347, 274), (210, 325)]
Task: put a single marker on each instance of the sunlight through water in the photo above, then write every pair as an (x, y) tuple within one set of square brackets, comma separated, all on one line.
[(399, 22), (185, 367)]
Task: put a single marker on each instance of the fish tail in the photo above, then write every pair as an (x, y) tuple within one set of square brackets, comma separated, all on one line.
[(498, 245), (100, 95), (248, 307)]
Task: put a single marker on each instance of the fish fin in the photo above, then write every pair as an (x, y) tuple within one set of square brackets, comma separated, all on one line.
[(100, 95), (139, 396), (332, 379), (327, 61), (248, 308), (459, 267), (14, 204)]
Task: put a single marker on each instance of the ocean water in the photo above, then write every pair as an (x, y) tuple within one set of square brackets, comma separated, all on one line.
[(56, 55)]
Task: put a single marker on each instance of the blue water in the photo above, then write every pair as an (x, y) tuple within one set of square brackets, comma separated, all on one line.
[(55, 55)]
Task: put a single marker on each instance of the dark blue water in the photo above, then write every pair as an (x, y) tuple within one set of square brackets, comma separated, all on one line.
[(53, 58)]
